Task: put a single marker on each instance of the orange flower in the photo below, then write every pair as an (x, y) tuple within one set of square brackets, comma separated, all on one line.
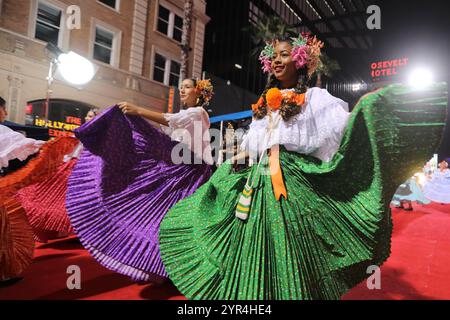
[(289, 96), (300, 99), (257, 105), (274, 98)]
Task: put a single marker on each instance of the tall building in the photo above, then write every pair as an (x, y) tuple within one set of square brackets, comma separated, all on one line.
[(134, 43)]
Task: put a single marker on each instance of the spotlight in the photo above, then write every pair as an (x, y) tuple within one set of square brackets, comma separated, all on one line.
[(75, 69), (238, 66), (420, 78)]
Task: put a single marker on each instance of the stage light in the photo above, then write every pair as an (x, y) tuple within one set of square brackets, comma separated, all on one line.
[(75, 69), (238, 66), (420, 78)]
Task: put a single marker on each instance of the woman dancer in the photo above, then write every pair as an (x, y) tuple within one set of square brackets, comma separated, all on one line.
[(128, 177), (408, 192), (438, 188), (306, 221)]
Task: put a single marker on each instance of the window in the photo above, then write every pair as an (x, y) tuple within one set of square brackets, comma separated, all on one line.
[(178, 28), (175, 69), (111, 3), (160, 68), (166, 71), (48, 23), (170, 24), (103, 45), (163, 20)]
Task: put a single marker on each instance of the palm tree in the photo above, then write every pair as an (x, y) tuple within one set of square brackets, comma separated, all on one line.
[(268, 28), (327, 67), (186, 37)]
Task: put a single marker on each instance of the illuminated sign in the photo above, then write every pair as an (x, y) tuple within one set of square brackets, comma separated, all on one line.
[(387, 68), (58, 128)]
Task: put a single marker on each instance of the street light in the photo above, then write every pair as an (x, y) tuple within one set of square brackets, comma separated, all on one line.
[(75, 69)]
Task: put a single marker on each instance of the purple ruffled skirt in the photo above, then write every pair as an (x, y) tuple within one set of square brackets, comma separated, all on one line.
[(121, 188)]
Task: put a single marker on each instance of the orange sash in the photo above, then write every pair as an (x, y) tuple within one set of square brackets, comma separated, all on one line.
[(276, 175)]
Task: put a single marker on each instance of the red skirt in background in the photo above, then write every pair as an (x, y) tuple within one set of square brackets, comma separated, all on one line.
[(45, 204)]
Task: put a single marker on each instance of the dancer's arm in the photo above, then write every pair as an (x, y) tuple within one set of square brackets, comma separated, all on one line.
[(131, 109)]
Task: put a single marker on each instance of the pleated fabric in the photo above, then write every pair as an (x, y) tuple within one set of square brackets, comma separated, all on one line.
[(121, 188), (336, 222), (16, 240), (410, 191), (16, 235), (438, 188), (45, 204), (38, 169)]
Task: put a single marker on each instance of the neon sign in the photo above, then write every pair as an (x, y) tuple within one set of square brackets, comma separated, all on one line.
[(387, 68), (171, 100), (58, 128)]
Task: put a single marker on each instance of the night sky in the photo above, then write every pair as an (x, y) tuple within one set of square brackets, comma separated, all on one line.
[(414, 29)]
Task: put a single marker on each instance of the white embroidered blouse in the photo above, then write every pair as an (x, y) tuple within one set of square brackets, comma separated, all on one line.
[(14, 145), (317, 130), (191, 126)]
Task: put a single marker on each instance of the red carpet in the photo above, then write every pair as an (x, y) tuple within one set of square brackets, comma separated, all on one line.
[(419, 267)]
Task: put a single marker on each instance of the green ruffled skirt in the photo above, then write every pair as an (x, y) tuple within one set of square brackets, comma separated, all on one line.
[(336, 222)]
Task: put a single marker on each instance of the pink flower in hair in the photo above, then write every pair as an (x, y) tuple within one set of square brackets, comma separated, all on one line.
[(267, 64), (300, 56)]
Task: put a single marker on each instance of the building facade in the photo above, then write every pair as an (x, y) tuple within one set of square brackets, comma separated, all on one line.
[(135, 45)]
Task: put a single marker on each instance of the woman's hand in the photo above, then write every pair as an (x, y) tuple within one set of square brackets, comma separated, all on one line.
[(239, 161), (129, 109), (240, 158)]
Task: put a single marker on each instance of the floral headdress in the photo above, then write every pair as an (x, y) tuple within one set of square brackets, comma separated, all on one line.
[(306, 51), (205, 89)]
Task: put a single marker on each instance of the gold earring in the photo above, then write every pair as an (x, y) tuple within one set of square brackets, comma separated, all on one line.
[(198, 101)]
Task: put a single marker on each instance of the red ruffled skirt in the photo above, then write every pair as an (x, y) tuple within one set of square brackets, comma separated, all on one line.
[(16, 235)]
